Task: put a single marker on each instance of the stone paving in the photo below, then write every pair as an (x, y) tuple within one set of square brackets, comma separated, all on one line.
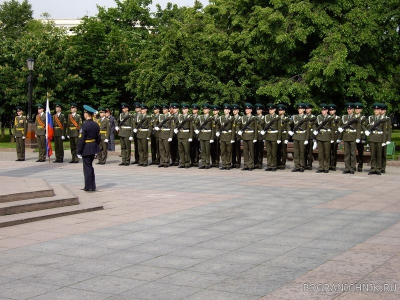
[(206, 234)]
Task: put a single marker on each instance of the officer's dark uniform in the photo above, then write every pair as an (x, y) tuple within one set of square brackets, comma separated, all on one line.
[(88, 147)]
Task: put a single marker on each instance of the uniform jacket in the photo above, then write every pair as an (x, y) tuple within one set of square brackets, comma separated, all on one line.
[(377, 134), (205, 124), (89, 138), (364, 123), (60, 124), (327, 132), (154, 121), (125, 124), (166, 128), (260, 126), (143, 124), (274, 132), (104, 125), (311, 120), (388, 132), (303, 132), (40, 124), (20, 126), (248, 126), (185, 130), (236, 120), (336, 120), (284, 123), (74, 124), (354, 132), (226, 128)]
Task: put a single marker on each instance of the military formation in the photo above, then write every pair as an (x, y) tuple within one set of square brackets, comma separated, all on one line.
[(219, 136)]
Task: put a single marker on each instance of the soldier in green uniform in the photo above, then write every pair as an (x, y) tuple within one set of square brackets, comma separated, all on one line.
[(105, 129), (165, 126), (184, 132), (358, 107), (173, 147), (259, 145), (74, 124), (236, 146), (273, 137), (143, 128), (309, 148), (247, 130), (284, 123), (135, 141), (387, 137), (204, 127), (125, 131), (226, 133), (195, 144), (376, 130), (350, 130), (214, 147), (20, 130), (300, 135), (40, 132), (60, 129), (335, 125), (155, 135), (325, 138)]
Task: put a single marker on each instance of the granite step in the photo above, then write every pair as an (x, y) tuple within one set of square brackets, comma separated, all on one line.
[(17, 189)]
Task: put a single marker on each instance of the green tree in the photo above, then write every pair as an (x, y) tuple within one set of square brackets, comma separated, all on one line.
[(14, 17)]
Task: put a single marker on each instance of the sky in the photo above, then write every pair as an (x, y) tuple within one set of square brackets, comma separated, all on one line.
[(76, 9)]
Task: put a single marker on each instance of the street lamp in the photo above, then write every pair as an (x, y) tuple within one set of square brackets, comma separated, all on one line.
[(30, 137)]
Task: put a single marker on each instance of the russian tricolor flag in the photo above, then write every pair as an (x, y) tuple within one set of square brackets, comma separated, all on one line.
[(49, 130)]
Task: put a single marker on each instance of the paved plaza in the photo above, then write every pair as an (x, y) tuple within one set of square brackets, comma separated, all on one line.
[(207, 234)]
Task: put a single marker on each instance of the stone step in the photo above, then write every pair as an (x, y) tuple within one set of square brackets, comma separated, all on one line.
[(27, 190), (27, 217), (62, 197)]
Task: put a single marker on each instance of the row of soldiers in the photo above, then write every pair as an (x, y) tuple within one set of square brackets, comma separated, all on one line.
[(183, 139)]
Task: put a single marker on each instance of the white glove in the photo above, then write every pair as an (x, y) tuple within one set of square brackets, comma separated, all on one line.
[(175, 130), (286, 141), (211, 141), (170, 140), (63, 137), (262, 132), (68, 136), (363, 141), (148, 138), (314, 145), (232, 141), (332, 141), (291, 133), (106, 140), (340, 129), (338, 141), (79, 156), (135, 130), (240, 132), (156, 128), (305, 142), (358, 141), (367, 132), (131, 138), (383, 144), (279, 141), (189, 140), (315, 132), (23, 137), (387, 143), (196, 131), (254, 141), (116, 128), (217, 134), (35, 136)]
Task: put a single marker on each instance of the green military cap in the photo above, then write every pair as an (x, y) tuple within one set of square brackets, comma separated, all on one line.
[(124, 105), (301, 105), (19, 108), (308, 105), (206, 105), (227, 106), (58, 104), (216, 107), (185, 105), (281, 107), (259, 106), (39, 105), (271, 106), (101, 109), (358, 105), (324, 106), (332, 106), (138, 105), (248, 106), (88, 109), (349, 105), (144, 106), (174, 105), (195, 106), (376, 106), (72, 104), (164, 106), (156, 106), (384, 106), (235, 106)]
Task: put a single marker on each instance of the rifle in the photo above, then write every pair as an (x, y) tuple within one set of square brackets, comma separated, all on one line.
[(230, 121), (139, 126), (122, 122), (269, 125), (180, 125), (376, 125), (161, 125), (349, 123), (246, 125), (301, 122), (322, 125), (205, 123)]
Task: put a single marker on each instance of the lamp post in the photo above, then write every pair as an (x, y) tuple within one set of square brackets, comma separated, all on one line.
[(30, 137)]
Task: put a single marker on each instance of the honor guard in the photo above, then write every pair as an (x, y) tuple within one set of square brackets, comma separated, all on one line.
[(259, 146), (74, 123), (247, 130), (184, 132), (125, 131), (135, 141), (308, 154), (236, 146), (112, 121), (350, 130), (60, 129), (388, 137), (165, 126), (155, 135), (143, 128), (88, 147), (284, 123), (104, 124), (226, 133), (214, 147), (336, 139), (195, 144), (324, 134), (204, 128), (20, 130), (272, 135), (300, 135), (376, 131), (174, 112), (358, 107), (40, 132)]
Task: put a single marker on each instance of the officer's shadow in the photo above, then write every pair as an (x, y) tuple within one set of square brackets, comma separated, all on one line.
[(107, 185)]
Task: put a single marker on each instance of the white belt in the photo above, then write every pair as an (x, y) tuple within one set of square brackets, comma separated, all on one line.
[(146, 129), (349, 130), (283, 131), (377, 132), (165, 129), (224, 131), (126, 127), (184, 130), (325, 130), (248, 131), (206, 130), (300, 131), (272, 131)]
